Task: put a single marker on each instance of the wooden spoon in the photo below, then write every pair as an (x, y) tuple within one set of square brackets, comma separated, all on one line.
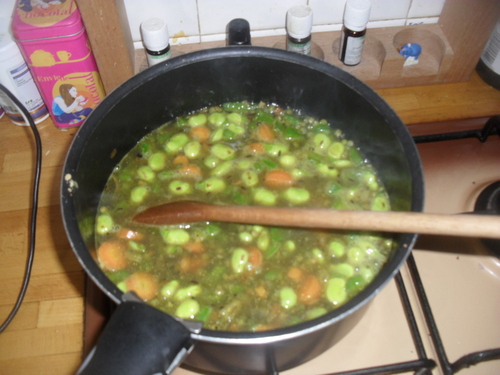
[(482, 226)]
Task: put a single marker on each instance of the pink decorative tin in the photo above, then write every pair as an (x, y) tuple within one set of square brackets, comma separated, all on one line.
[(52, 38)]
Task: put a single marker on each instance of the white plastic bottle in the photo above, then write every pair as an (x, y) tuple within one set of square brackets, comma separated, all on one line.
[(156, 40), (356, 16), (16, 77), (299, 21)]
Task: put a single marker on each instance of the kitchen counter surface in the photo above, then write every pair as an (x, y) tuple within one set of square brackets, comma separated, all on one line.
[(46, 335)]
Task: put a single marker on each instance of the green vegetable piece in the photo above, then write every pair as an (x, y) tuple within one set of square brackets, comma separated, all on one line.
[(213, 229), (176, 236), (222, 169), (370, 180), (291, 134), (349, 177), (168, 290), (239, 260), (334, 188), (179, 187), (203, 314), (336, 150), (166, 175), (355, 255), (198, 120), (235, 118), (276, 149), (273, 249), (187, 309), (236, 129), (145, 149), (292, 120), (318, 255), (228, 135), (222, 151), (192, 149), (244, 164), (188, 292), (288, 160), (242, 107), (263, 240), (367, 274), (249, 178), (290, 245), (264, 197), (138, 194), (264, 117), (342, 163), (122, 285), (315, 313), (314, 157), (157, 161), (217, 119), (355, 284), (288, 297), (269, 163), (336, 291), (355, 156), (380, 203), (336, 249), (322, 128), (146, 173), (211, 161), (176, 143), (212, 185), (297, 195), (321, 142), (245, 237), (344, 269), (328, 170), (104, 224), (217, 135)]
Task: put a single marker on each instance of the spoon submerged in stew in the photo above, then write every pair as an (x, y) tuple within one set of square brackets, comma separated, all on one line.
[(181, 212)]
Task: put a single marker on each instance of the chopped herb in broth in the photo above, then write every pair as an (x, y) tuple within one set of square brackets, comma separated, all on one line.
[(241, 277)]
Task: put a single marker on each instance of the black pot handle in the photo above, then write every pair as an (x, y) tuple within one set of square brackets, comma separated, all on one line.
[(138, 340)]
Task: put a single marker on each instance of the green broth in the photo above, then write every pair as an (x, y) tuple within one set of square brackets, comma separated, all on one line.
[(241, 277)]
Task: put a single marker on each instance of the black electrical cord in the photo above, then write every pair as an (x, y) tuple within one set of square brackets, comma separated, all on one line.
[(34, 207)]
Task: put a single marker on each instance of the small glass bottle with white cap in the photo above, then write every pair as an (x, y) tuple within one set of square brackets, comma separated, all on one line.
[(299, 20), (356, 16), (156, 40)]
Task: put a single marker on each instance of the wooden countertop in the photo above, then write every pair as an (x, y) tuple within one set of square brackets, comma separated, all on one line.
[(46, 335)]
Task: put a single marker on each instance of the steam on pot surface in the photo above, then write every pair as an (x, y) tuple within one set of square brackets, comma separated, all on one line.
[(236, 277)]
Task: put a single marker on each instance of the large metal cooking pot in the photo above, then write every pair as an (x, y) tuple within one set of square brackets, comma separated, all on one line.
[(206, 78)]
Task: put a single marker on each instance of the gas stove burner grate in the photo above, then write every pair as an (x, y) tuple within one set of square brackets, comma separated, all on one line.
[(488, 203)]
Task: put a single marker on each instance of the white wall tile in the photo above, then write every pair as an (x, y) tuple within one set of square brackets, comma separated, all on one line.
[(214, 15), (426, 8), (180, 16), (389, 9)]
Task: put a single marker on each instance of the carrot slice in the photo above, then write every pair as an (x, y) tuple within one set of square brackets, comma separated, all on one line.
[(295, 273), (112, 256), (195, 247), (144, 284), (256, 148), (265, 132), (191, 263), (310, 290), (255, 257), (278, 178), (127, 234), (191, 170), (180, 159), (200, 133)]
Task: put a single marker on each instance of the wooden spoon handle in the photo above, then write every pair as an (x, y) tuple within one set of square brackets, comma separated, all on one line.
[(483, 226)]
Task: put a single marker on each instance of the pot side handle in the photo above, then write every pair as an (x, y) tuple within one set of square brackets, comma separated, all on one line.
[(138, 340)]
